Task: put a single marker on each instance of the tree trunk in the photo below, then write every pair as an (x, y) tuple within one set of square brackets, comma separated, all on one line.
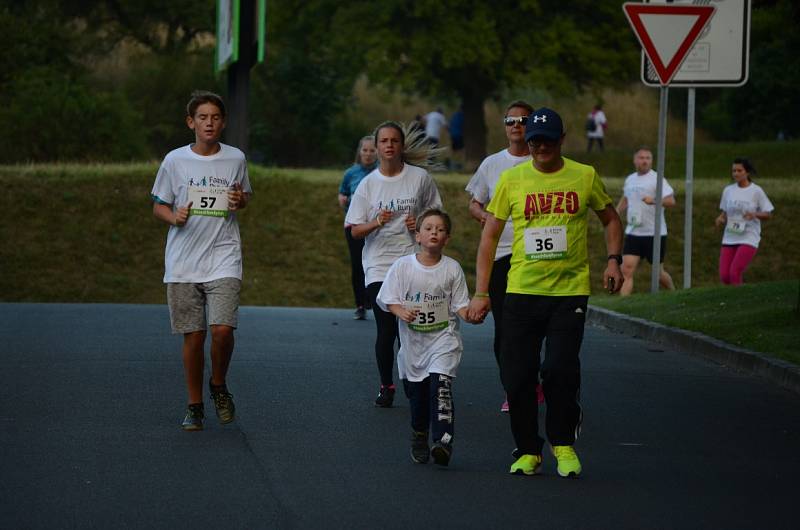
[(474, 130)]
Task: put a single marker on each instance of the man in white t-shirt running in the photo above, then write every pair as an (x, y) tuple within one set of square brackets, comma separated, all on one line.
[(434, 121), (198, 190), (481, 186), (638, 199)]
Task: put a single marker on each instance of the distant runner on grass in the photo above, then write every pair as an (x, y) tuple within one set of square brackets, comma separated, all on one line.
[(198, 190)]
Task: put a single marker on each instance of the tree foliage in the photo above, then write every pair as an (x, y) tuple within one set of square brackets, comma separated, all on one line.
[(472, 50), (767, 105)]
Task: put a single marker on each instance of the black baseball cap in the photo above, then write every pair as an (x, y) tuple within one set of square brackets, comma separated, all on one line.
[(544, 122)]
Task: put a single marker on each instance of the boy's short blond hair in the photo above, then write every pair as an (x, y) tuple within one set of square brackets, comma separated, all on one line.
[(430, 212)]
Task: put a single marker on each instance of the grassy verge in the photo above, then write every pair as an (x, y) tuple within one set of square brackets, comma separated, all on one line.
[(85, 233), (763, 317)]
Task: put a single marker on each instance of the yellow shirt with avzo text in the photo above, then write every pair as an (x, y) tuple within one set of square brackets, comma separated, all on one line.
[(549, 211)]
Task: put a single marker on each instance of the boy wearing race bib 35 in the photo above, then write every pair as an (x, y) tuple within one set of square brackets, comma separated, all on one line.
[(198, 190), (428, 292)]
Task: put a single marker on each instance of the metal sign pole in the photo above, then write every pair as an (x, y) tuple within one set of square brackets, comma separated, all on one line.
[(687, 224), (662, 151)]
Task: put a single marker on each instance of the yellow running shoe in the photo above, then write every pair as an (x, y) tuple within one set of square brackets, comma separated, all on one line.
[(568, 463), (526, 465)]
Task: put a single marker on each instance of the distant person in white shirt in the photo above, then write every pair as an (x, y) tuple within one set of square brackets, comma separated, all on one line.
[(434, 121), (596, 125), (744, 205), (638, 200), (428, 293), (198, 190)]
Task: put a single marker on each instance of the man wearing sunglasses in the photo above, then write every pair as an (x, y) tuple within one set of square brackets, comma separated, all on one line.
[(481, 186), (548, 201)]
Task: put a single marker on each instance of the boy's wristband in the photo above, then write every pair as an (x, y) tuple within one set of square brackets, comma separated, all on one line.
[(481, 295)]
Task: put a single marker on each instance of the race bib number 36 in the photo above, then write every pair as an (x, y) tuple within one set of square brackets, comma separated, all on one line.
[(432, 316), (209, 200), (546, 242)]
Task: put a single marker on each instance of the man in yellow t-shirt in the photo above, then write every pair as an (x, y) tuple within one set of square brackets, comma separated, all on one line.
[(548, 201)]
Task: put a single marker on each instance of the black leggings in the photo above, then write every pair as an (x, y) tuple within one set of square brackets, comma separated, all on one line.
[(498, 282), (355, 246), (387, 335)]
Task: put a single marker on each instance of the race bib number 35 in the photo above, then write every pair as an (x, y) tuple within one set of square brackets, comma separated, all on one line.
[(546, 242), (209, 200), (432, 316)]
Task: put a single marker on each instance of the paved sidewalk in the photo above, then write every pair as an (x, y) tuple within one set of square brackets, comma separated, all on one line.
[(780, 372)]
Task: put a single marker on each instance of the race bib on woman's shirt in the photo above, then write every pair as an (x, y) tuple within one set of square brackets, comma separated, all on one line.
[(736, 225)]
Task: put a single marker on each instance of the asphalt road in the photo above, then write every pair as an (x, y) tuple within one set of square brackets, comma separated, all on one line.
[(92, 396)]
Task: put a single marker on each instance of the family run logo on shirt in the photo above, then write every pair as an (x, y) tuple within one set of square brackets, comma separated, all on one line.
[(398, 205), (424, 297), (552, 202), (208, 181), (737, 206)]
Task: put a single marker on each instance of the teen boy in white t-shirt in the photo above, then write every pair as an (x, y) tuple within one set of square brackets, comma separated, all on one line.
[(428, 292), (198, 190)]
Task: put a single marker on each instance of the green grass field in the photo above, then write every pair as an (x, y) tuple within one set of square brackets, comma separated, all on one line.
[(85, 233), (762, 316)]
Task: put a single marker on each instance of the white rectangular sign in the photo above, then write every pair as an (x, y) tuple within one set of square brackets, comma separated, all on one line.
[(721, 54)]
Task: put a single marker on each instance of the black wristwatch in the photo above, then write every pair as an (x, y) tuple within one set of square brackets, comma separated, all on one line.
[(616, 257)]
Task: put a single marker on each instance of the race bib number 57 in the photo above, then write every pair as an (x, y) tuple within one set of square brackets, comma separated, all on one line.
[(546, 242), (209, 200)]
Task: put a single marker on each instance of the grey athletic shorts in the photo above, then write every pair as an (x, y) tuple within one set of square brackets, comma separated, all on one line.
[(189, 303)]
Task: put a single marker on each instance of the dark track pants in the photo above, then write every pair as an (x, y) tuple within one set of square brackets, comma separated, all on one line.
[(431, 404), (498, 281), (529, 320)]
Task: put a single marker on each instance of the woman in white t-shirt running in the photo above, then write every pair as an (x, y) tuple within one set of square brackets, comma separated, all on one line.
[(383, 211), (744, 205)]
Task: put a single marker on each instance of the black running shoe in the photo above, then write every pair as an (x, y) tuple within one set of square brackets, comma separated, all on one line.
[(385, 396), (360, 314), (223, 402), (194, 418), (419, 447), (441, 453)]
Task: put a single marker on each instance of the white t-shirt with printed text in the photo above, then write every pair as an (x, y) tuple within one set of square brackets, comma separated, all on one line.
[(408, 193), (432, 344), (206, 248), (641, 217), (482, 185), (735, 203)]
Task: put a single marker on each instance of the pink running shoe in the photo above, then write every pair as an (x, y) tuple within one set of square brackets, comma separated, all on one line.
[(539, 394), (504, 406)]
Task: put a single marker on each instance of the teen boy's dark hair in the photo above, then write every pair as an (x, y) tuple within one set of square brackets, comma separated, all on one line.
[(430, 212), (200, 97)]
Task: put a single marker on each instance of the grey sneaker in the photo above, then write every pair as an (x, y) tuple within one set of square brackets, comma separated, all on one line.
[(360, 314), (419, 447), (223, 402), (194, 418)]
